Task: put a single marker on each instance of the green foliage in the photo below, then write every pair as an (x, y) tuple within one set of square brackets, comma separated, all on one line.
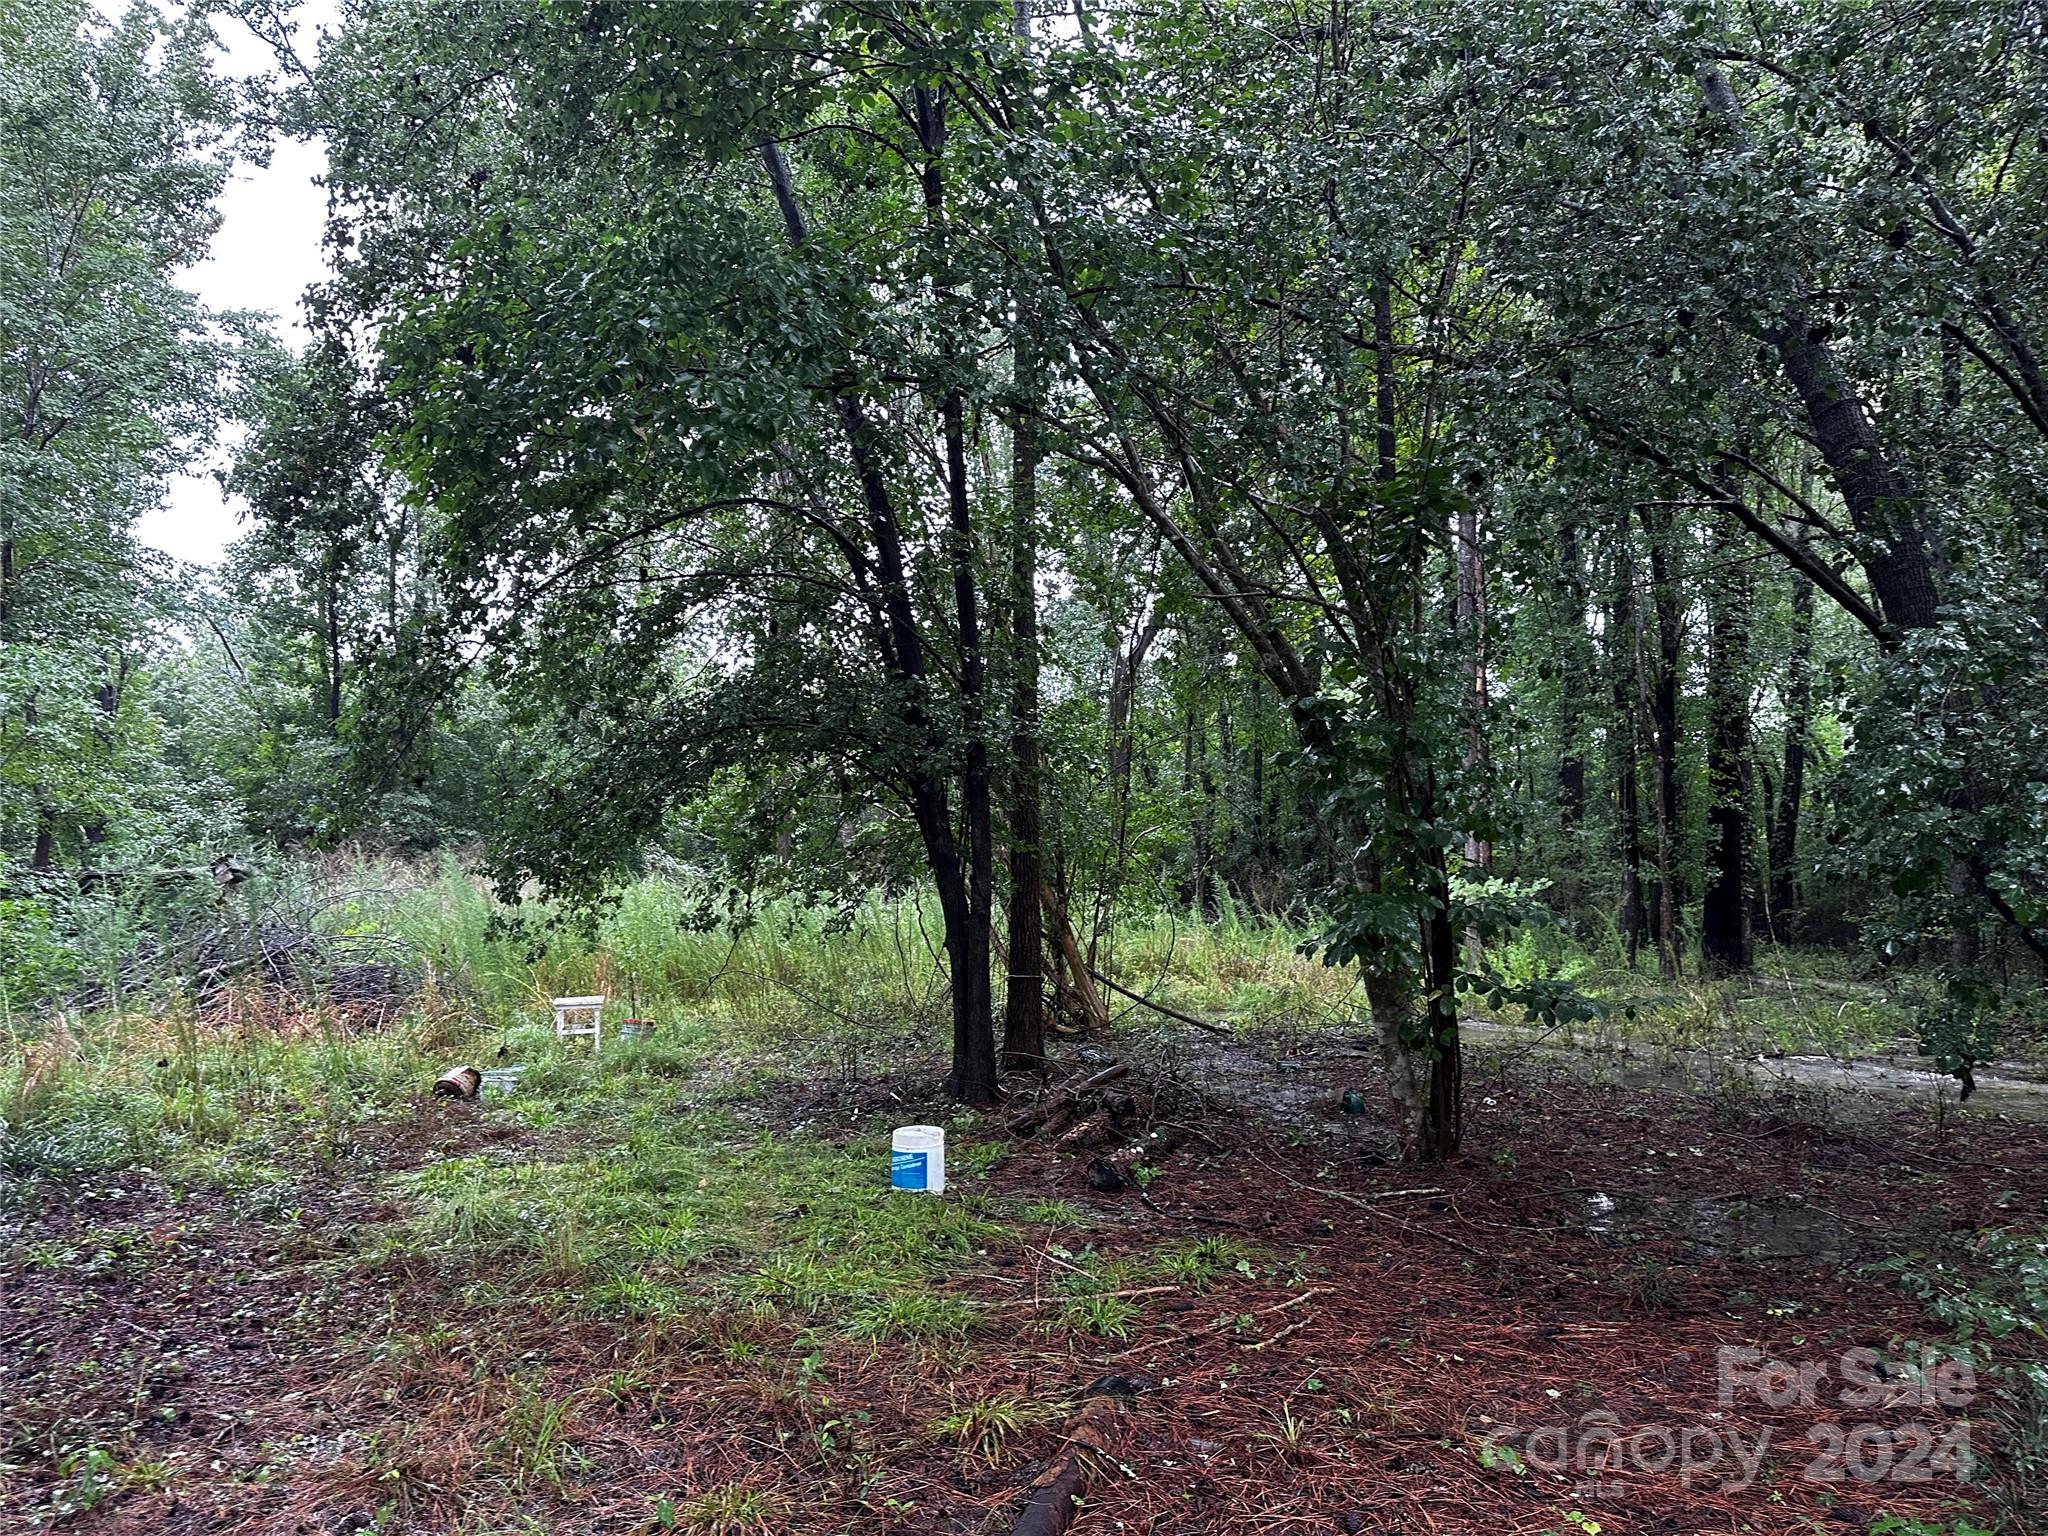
[(1374, 532), (114, 138), (1994, 1302), (986, 1428)]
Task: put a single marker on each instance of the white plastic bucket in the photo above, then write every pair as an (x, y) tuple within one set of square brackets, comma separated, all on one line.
[(917, 1159)]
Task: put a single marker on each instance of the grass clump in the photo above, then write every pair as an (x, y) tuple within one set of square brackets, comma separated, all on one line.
[(532, 1446), (1054, 1213), (1105, 1316), (730, 1510), (986, 1428), (1196, 1265)]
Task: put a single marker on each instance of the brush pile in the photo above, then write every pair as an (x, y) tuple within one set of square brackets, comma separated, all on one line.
[(1106, 1117), (232, 943)]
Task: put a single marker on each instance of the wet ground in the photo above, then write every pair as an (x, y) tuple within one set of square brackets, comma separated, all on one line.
[(1297, 1088), (1383, 1349), (1575, 1280), (2009, 1089)]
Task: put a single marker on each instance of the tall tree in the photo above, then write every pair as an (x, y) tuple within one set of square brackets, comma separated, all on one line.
[(1725, 941), (1024, 998), (735, 529), (1783, 881), (113, 144)]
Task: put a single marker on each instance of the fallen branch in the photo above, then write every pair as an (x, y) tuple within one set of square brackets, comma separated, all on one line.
[(1365, 1203), (1271, 1339), (1057, 1105), (1055, 1497), (1200, 1216), (1231, 1320), (1172, 1013)]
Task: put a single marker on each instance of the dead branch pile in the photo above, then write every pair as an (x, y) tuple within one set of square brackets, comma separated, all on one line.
[(1104, 1116), (281, 948)]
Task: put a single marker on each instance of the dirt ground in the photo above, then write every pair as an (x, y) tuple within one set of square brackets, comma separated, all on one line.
[(1573, 1330)]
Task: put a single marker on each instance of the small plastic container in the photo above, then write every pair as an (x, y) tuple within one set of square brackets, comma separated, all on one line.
[(636, 1029), (499, 1081), (917, 1159)]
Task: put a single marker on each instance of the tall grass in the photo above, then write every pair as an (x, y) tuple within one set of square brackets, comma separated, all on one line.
[(876, 968), (778, 993)]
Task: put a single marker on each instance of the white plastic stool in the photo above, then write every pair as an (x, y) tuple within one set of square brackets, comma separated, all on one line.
[(579, 1016)]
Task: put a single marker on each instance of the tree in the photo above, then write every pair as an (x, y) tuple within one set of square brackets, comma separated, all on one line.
[(701, 465), (112, 146)]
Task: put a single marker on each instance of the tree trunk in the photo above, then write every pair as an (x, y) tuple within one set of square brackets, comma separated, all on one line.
[(1198, 782), (1124, 674), (967, 936), (1624, 653), (1885, 507), (974, 1065), (1439, 1064), (1784, 879), (108, 697), (965, 891), (330, 661), (1024, 999), (1573, 679), (1725, 944), (1471, 622), (1665, 733)]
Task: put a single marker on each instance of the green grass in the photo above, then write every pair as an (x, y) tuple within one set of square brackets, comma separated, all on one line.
[(532, 1449), (1797, 1001), (729, 1511), (985, 1429), (1197, 1265), (648, 1208)]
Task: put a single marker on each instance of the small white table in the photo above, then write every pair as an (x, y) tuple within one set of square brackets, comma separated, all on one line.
[(579, 1016)]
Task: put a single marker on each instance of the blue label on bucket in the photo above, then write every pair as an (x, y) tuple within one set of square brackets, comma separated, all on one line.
[(907, 1170)]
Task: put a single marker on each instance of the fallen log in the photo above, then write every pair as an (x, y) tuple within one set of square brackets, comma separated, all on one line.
[(1062, 1104), (458, 1083), (1094, 1013), (1055, 1497)]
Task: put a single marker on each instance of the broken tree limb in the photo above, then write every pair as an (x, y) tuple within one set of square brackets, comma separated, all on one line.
[(1060, 1104), (1095, 1013), (1055, 1497), (1157, 1007)]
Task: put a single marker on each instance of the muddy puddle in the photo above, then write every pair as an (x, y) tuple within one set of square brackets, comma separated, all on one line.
[(1753, 1230), (2006, 1090)]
